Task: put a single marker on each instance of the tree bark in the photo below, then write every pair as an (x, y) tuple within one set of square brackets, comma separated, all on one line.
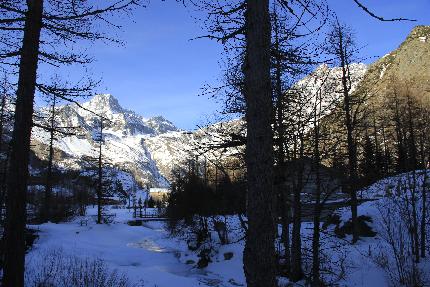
[(316, 282), (3, 163), (259, 253), (13, 275), (316, 232)]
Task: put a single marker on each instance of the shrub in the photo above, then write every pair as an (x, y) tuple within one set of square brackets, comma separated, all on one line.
[(55, 269)]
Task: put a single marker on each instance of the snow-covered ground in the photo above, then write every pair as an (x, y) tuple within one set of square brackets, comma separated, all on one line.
[(149, 254), (144, 253)]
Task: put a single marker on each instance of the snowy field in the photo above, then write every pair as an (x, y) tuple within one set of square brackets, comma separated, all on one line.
[(147, 255), (144, 253)]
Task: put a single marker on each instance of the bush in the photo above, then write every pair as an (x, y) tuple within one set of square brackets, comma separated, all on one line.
[(55, 269), (364, 230)]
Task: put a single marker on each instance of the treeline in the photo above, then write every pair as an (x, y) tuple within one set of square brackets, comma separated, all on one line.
[(194, 194)]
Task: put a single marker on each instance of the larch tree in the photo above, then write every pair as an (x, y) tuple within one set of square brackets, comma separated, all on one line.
[(49, 123), (341, 44), (259, 254)]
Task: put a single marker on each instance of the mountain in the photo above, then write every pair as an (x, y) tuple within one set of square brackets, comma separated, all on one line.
[(124, 135), (407, 66), (148, 149)]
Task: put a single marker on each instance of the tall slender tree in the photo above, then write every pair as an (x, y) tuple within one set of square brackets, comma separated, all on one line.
[(14, 234), (259, 253), (341, 44)]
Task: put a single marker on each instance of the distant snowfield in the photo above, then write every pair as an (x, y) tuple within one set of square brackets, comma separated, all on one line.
[(147, 253)]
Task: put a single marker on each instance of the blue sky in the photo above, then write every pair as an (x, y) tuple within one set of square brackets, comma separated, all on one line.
[(160, 71)]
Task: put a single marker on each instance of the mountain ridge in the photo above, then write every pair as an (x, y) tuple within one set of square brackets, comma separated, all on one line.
[(150, 149)]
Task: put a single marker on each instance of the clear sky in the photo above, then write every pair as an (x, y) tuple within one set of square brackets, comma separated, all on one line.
[(159, 71)]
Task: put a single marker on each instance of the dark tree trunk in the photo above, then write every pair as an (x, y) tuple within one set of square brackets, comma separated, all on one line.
[(259, 253), (48, 187), (14, 258), (416, 243), (3, 163), (413, 160), (285, 210), (316, 232), (283, 194), (424, 213), (100, 177), (318, 206), (401, 151), (352, 149), (296, 242)]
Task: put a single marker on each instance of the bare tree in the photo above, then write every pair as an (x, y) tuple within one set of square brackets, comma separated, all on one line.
[(341, 44)]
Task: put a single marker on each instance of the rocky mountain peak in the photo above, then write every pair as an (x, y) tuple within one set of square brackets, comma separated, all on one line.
[(161, 125), (104, 103)]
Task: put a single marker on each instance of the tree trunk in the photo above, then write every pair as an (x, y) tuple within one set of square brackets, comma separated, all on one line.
[(352, 151), (285, 210), (416, 243), (424, 213), (100, 178), (296, 243), (48, 187), (3, 163), (13, 275), (318, 206), (316, 232), (259, 254), (297, 188), (283, 194)]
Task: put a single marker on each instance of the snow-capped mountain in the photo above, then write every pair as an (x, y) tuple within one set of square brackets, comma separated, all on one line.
[(149, 149), (124, 134)]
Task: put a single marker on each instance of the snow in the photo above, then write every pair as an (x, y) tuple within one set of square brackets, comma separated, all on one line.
[(151, 254), (141, 252), (148, 253)]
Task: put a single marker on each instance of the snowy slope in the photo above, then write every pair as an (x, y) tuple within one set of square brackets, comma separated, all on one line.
[(124, 137)]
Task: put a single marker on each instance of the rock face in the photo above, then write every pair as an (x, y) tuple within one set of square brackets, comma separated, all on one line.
[(408, 65)]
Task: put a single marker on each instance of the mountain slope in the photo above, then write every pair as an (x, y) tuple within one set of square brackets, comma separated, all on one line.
[(124, 138), (408, 65)]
